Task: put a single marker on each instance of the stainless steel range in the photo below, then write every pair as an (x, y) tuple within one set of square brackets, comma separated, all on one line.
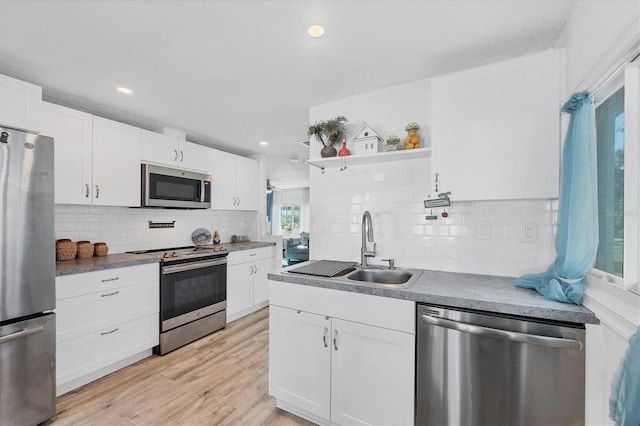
[(193, 293)]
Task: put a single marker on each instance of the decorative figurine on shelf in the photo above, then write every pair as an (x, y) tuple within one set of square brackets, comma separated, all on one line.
[(413, 140), (216, 237), (344, 151), (392, 143)]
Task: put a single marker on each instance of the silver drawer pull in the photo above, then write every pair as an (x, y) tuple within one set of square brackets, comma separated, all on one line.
[(253, 254), (110, 294), (104, 333), (324, 337), (110, 279), (335, 340)]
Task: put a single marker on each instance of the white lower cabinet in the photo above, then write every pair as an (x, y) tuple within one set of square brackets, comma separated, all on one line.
[(105, 320), (247, 284), (341, 370)]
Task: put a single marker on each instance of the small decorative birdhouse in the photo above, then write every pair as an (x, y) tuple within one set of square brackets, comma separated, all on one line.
[(366, 141)]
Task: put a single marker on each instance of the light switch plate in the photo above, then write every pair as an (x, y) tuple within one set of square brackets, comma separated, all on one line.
[(483, 230)]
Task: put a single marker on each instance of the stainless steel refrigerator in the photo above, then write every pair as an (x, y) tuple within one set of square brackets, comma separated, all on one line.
[(27, 279)]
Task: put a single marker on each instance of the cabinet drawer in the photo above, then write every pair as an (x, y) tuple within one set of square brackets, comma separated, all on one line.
[(109, 279), (242, 256), (385, 312), (81, 315), (88, 353)]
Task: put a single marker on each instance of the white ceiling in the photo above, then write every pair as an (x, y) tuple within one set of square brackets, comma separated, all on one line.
[(234, 73)]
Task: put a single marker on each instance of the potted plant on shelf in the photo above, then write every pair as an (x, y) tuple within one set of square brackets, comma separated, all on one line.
[(328, 132)]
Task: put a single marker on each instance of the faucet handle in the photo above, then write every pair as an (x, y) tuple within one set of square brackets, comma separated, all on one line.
[(391, 263)]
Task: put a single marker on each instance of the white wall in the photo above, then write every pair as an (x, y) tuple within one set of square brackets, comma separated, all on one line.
[(596, 36), (393, 192), (125, 229), (594, 32)]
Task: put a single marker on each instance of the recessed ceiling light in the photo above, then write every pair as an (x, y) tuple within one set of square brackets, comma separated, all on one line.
[(263, 143), (125, 90), (315, 31)]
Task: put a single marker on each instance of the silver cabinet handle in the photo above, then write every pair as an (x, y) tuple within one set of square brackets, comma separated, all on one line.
[(553, 342), (335, 340), (256, 271), (110, 294), (106, 280), (20, 334), (253, 254), (86, 189), (238, 201), (104, 333), (175, 158), (324, 337), (234, 201), (181, 156), (97, 191)]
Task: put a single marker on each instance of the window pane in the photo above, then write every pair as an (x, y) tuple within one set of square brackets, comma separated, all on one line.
[(610, 137)]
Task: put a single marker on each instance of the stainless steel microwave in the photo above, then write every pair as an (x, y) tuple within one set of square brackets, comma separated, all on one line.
[(175, 188)]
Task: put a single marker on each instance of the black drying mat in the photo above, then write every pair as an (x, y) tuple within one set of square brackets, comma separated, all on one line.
[(323, 268)]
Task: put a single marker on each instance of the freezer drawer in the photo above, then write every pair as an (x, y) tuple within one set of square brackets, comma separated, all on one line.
[(27, 371), (476, 368)]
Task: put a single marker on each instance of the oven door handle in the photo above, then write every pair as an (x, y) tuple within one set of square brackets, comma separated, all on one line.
[(192, 265)]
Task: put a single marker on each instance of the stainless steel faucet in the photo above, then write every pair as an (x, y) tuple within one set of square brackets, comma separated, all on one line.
[(367, 234)]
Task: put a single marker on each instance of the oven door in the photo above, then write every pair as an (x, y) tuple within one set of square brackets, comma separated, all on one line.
[(192, 290)]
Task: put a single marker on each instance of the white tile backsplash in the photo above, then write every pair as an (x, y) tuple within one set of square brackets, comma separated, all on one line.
[(393, 192), (125, 229)]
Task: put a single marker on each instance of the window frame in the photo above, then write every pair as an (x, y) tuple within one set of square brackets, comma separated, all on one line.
[(293, 207), (627, 76)]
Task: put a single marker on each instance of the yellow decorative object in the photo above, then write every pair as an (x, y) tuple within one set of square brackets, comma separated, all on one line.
[(413, 140)]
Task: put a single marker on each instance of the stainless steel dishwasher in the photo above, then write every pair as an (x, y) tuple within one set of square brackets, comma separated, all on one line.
[(479, 368)]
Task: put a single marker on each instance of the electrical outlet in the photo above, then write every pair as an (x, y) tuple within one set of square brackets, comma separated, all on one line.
[(483, 230), (528, 232)]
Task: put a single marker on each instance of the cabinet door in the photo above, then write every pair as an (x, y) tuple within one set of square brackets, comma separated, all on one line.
[(300, 360), (193, 156), (372, 380), (239, 289), (223, 185), (72, 132), (496, 129), (248, 187), (20, 104), (260, 280), (159, 148), (116, 163)]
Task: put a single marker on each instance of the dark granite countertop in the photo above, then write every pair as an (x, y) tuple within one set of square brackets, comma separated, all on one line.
[(120, 260), (457, 290)]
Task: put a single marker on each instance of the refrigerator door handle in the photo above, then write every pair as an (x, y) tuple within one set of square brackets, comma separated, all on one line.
[(20, 334)]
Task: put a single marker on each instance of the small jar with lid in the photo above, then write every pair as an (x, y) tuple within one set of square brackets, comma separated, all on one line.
[(85, 249), (100, 249)]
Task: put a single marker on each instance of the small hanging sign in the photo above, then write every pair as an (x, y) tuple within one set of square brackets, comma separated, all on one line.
[(171, 224)]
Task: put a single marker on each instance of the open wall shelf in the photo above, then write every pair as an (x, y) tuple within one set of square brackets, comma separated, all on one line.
[(380, 157)]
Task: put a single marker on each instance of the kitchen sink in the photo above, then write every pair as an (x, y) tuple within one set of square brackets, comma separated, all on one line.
[(378, 275), (381, 276)]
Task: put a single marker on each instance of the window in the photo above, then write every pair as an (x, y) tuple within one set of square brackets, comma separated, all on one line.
[(618, 149), (289, 218), (610, 143)]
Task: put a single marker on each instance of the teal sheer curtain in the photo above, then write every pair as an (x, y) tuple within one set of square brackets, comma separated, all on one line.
[(577, 232)]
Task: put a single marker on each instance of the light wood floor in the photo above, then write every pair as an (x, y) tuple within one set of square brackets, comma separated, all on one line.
[(220, 379)]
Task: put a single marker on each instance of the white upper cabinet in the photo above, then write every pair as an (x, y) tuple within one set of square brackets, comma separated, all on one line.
[(72, 131), (496, 129), (170, 151), (20, 104), (236, 182), (116, 163)]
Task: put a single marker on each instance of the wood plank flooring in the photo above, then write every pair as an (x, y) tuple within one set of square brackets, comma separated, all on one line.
[(221, 379)]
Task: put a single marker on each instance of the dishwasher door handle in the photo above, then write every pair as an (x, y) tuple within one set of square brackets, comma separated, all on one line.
[(553, 342)]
